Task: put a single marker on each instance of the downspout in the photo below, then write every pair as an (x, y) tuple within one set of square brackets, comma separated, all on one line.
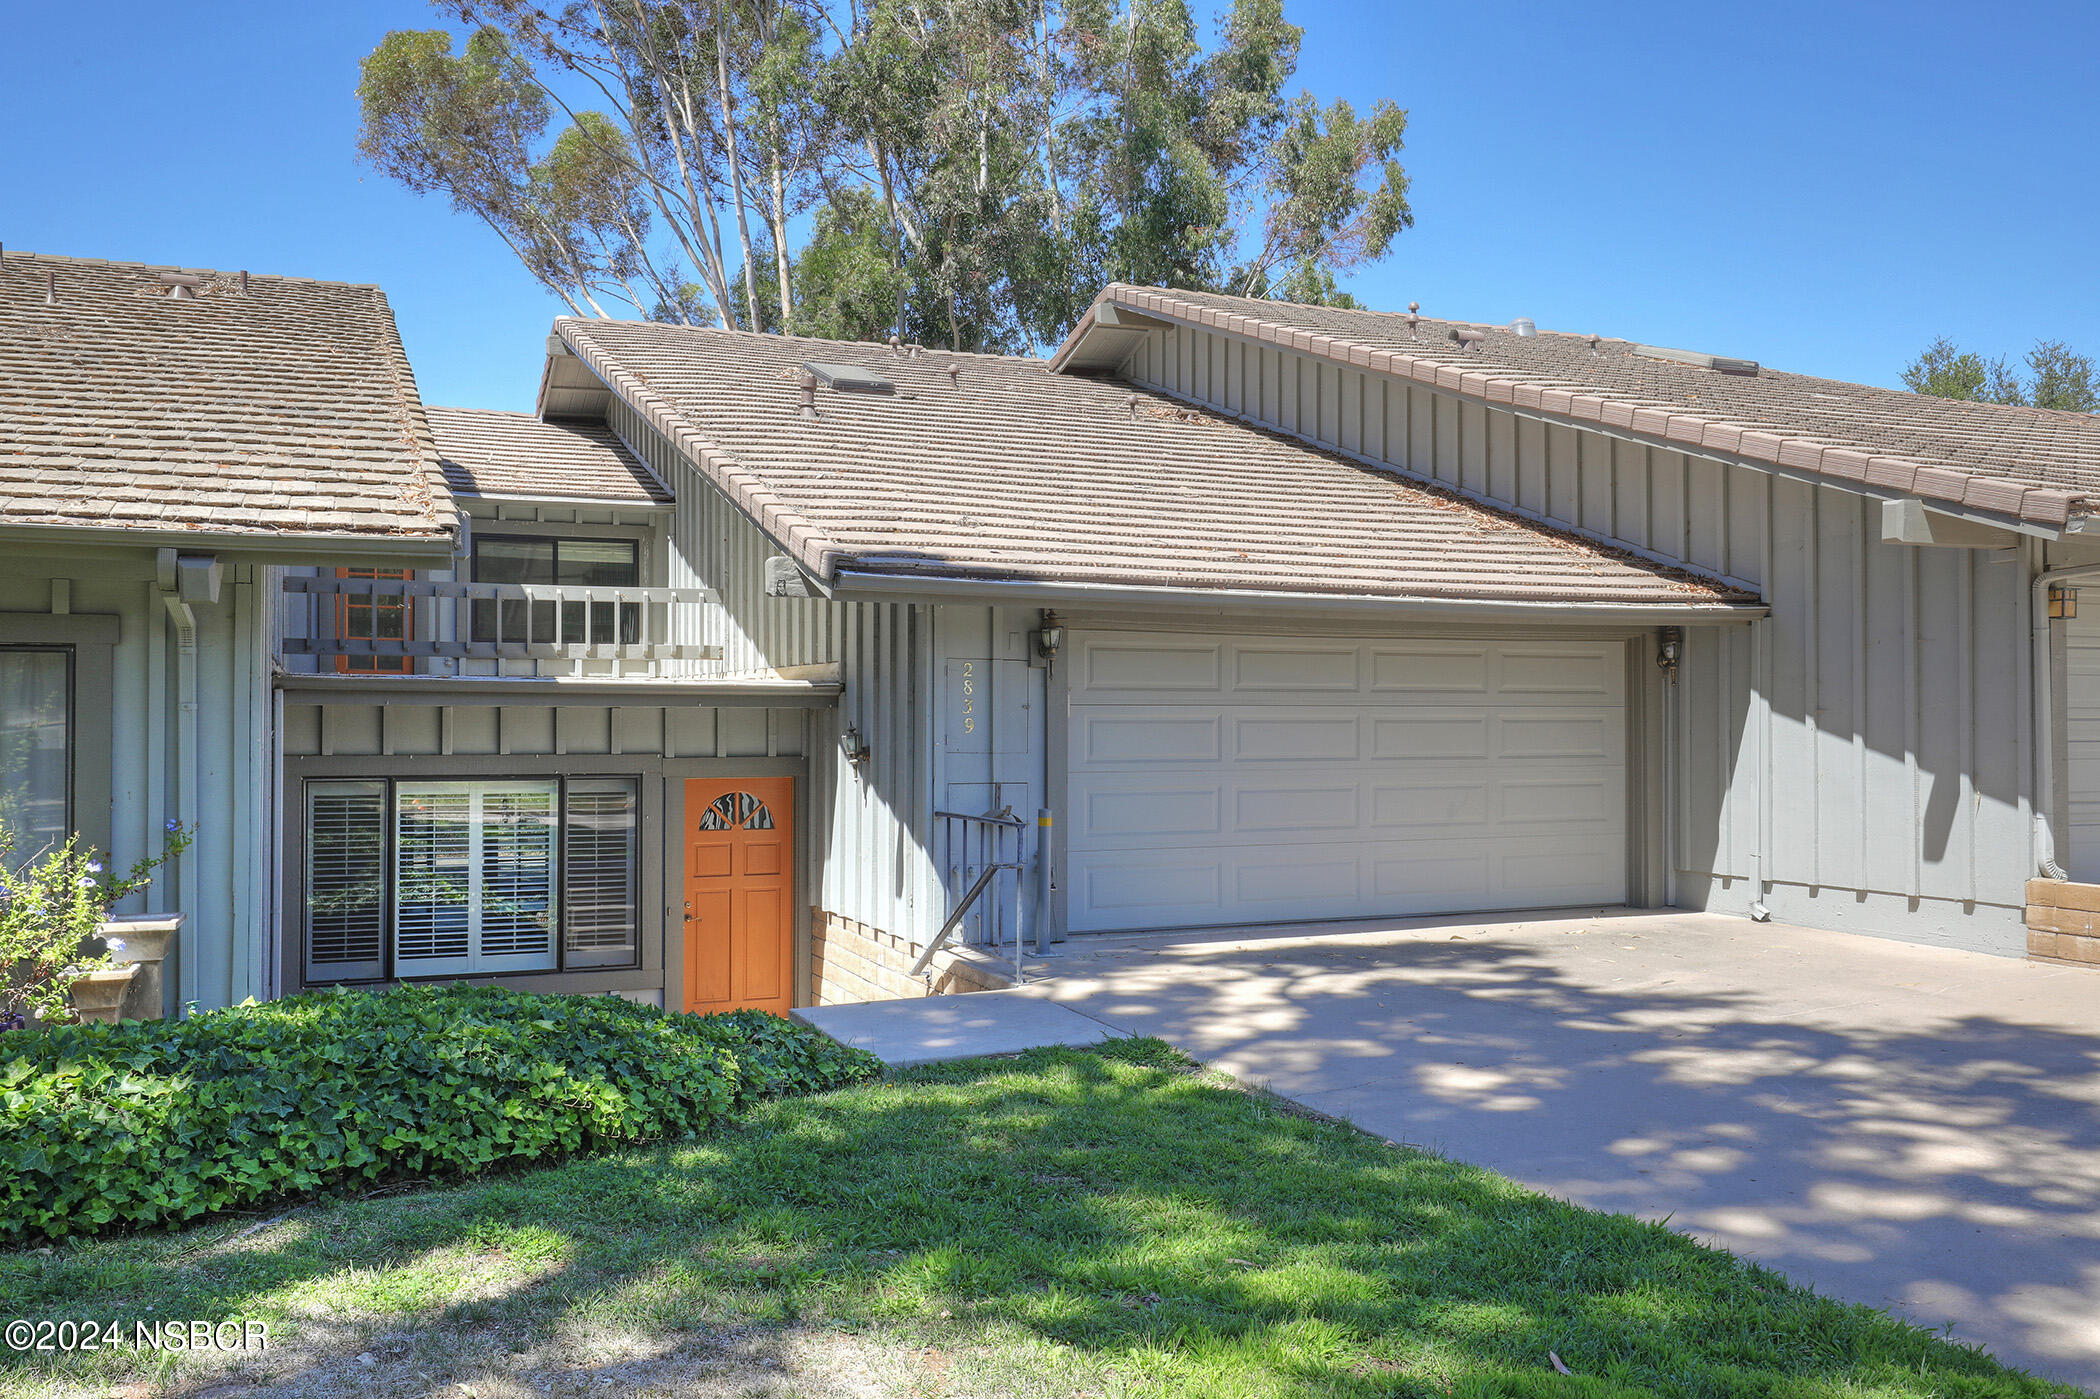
[(183, 794), (2045, 717)]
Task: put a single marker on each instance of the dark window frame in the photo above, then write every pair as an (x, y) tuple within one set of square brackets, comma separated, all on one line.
[(390, 784), (484, 621), (72, 655)]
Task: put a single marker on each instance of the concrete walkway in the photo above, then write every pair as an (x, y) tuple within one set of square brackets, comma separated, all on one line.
[(936, 1029), (1907, 1127)]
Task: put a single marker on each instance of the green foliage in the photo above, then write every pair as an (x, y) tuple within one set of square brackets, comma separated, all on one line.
[(156, 1122), (50, 909), (976, 172), (2059, 378)]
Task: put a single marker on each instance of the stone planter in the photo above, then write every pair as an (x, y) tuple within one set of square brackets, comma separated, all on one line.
[(149, 942), (99, 996)]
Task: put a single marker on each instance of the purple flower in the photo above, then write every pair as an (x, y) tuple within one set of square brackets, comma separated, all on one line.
[(173, 825), (86, 883), (94, 867)]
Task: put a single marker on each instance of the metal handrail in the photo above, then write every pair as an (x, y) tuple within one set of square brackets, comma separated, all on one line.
[(993, 831)]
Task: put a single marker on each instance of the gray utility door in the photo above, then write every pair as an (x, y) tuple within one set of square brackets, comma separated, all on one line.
[(1222, 779), (2080, 852)]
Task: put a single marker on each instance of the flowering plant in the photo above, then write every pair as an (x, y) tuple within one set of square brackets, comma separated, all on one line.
[(50, 908)]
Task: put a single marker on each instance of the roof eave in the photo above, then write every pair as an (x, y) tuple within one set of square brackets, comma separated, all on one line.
[(850, 583), (276, 546)]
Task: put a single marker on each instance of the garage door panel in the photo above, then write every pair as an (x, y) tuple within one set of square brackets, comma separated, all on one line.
[(1263, 669), (1590, 735), (1430, 804), (1558, 671), (1183, 892), (1295, 780), (1263, 808), (1430, 736), (1287, 888), (1135, 665), (1519, 801), (1140, 736), (1442, 671), (1295, 738), (1150, 813)]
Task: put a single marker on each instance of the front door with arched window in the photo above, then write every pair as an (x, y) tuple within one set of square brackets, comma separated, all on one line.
[(739, 894)]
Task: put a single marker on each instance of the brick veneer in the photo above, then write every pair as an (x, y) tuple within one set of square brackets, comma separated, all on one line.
[(850, 961), (2063, 921)]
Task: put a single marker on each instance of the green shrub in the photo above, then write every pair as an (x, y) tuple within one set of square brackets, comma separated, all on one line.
[(158, 1122)]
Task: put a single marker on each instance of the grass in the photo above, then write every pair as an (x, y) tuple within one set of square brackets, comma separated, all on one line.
[(1110, 1222)]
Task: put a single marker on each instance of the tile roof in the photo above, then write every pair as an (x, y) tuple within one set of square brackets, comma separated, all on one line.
[(491, 453), (2030, 463), (1005, 471), (279, 408)]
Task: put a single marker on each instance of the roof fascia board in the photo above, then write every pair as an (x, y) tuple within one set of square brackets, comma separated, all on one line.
[(2038, 527), (527, 693), (577, 502), (347, 550), (910, 587)]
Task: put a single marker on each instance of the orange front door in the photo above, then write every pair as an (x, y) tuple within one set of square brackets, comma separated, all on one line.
[(739, 894)]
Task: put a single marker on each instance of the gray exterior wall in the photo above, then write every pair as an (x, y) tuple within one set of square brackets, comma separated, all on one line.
[(661, 745), (1864, 751), (133, 771), (872, 849)]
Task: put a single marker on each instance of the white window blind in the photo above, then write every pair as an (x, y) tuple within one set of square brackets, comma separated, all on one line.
[(345, 880), (600, 911), (475, 877)]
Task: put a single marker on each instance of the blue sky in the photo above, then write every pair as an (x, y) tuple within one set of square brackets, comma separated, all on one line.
[(1823, 187)]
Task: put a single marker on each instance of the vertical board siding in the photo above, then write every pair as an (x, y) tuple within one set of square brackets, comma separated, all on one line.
[(1880, 781), (871, 854)]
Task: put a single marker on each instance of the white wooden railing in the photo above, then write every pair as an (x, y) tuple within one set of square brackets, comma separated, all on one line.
[(516, 629)]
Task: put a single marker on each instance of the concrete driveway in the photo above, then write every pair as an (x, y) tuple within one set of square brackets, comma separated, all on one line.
[(1902, 1126)]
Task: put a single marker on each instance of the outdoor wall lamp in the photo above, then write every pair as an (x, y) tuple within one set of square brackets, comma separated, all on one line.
[(1669, 650), (854, 747), (1050, 637)]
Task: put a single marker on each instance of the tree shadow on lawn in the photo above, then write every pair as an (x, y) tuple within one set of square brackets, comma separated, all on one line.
[(1114, 1208)]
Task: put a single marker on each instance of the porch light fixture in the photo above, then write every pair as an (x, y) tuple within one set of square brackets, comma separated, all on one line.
[(2063, 603), (1049, 639), (854, 747), (1669, 650)]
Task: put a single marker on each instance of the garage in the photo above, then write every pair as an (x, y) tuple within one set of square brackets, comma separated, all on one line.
[(1262, 779)]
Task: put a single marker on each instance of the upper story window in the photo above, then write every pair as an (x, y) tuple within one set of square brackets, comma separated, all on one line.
[(36, 748), (378, 617), (604, 563)]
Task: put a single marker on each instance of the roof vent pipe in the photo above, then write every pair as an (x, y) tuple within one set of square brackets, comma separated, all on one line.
[(244, 281), (954, 376), (809, 397), (1525, 327), (1468, 339), (181, 285), (1595, 342), (896, 344), (1414, 316), (51, 286), (1132, 404)]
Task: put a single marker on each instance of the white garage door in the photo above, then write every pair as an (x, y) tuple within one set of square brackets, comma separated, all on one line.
[(1262, 779)]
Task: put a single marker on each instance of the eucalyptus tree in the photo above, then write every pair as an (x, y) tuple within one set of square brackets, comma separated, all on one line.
[(965, 172)]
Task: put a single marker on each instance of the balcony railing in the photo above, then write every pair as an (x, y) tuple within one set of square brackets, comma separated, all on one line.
[(397, 626)]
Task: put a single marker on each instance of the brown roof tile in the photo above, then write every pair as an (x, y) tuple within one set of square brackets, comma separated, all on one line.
[(1015, 473), (1933, 446), (490, 453), (285, 407)]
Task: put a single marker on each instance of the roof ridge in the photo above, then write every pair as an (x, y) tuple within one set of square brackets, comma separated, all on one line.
[(1604, 406), (776, 338), (68, 259)]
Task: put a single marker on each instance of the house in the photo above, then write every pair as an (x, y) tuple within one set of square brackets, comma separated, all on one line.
[(730, 675)]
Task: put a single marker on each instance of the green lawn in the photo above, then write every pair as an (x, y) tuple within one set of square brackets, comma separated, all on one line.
[(1064, 1223)]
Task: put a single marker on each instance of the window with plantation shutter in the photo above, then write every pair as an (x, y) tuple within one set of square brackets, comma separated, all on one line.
[(601, 906), (345, 880), (475, 877)]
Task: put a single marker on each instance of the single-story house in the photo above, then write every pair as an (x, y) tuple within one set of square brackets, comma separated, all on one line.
[(729, 674)]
